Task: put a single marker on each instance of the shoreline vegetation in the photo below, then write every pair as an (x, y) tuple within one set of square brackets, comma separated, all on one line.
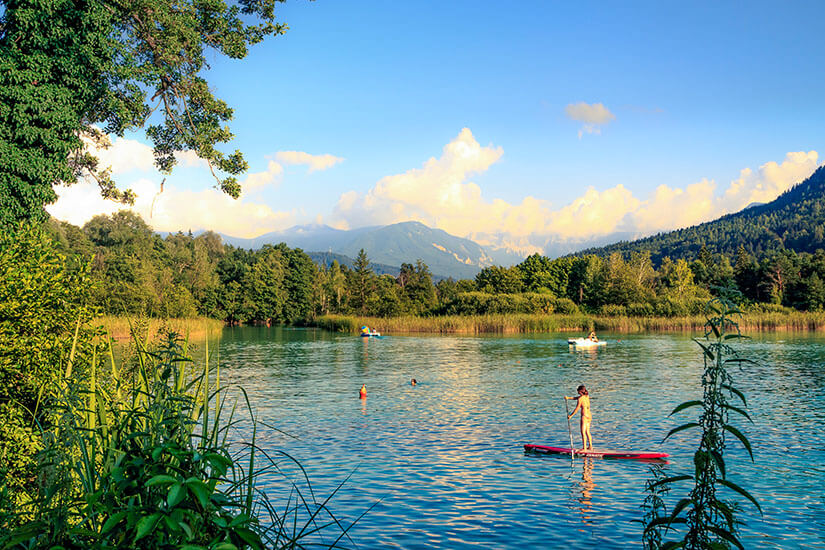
[(190, 328), (197, 328), (534, 323)]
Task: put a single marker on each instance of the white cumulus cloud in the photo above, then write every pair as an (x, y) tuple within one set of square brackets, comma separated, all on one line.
[(440, 194), (593, 116), (258, 180), (313, 162), (437, 194), (173, 209)]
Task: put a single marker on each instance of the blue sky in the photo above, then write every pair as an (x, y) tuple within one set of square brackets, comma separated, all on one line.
[(543, 120)]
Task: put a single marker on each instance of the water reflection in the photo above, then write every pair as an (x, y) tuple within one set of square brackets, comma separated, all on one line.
[(586, 487)]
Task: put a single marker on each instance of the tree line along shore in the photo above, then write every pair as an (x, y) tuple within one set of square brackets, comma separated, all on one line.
[(138, 273)]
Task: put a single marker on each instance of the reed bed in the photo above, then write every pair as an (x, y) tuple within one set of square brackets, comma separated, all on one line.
[(537, 323), (194, 329)]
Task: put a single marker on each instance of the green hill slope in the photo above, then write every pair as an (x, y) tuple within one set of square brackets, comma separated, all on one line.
[(794, 221)]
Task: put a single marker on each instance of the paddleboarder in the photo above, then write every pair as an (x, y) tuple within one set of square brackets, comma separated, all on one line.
[(362, 393), (583, 403)]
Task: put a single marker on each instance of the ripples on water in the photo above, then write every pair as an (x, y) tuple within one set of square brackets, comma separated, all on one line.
[(443, 460)]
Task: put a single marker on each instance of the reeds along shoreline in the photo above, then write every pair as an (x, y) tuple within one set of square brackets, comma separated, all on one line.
[(526, 323), (196, 329), (119, 328)]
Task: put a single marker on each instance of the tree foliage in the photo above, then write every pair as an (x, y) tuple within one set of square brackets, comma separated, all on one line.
[(794, 221), (74, 71)]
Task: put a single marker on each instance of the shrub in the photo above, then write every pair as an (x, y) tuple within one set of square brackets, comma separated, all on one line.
[(566, 306), (613, 310), (43, 324), (644, 309)]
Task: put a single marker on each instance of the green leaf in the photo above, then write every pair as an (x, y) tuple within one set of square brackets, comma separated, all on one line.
[(733, 486), (199, 490), (727, 535), (685, 405), (176, 494), (670, 545), (719, 461), (681, 505), (741, 438), (706, 350), (145, 525), (680, 428), (250, 537), (224, 546), (156, 452), (160, 479), (738, 410), (735, 392), (669, 480), (111, 522)]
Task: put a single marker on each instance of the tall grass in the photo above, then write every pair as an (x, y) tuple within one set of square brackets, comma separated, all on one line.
[(580, 322), (148, 462), (194, 329)]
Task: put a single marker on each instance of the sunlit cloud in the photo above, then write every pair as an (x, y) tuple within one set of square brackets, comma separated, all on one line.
[(437, 194), (770, 180), (124, 155), (269, 177), (173, 209), (440, 194), (593, 116), (313, 162), (167, 208)]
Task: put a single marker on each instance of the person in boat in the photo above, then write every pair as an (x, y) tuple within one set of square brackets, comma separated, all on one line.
[(362, 393), (583, 403), (592, 336), (365, 330)]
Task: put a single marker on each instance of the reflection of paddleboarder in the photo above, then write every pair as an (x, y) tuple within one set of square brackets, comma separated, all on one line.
[(587, 485), (583, 403)]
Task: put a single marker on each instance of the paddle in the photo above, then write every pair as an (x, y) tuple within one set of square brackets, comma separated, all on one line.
[(569, 432)]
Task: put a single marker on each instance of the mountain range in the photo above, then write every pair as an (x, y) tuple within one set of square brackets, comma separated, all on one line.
[(795, 221), (446, 255)]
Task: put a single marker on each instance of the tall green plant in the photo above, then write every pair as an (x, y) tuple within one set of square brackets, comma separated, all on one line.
[(147, 463), (710, 520), (44, 314)]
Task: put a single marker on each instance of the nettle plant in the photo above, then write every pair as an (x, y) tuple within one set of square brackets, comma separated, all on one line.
[(707, 519)]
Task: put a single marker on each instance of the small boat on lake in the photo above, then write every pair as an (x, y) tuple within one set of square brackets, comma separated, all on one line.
[(585, 342), (366, 332)]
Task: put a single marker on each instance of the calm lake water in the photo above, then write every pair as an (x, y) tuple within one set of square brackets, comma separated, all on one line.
[(442, 463)]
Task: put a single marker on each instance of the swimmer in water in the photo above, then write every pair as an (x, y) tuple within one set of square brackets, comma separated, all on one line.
[(413, 382), (583, 403)]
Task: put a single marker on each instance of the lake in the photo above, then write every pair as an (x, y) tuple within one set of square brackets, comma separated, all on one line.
[(442, 463)]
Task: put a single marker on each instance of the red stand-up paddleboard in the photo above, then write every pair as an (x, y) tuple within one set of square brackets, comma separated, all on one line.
[(595, 453)]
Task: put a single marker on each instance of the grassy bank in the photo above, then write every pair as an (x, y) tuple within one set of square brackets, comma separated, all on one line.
[(195, 329), (527, 323)]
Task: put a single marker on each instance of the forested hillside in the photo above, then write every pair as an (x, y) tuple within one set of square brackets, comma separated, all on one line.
[(137, 272), (795, 221)]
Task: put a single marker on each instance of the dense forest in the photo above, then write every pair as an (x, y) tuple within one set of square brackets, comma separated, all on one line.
[(794, 221), (137, 272)]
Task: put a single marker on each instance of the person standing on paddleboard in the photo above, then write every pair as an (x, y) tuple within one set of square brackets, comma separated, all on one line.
[(583, 403)]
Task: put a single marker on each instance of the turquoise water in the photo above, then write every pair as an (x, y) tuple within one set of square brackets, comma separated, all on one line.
[(442, 464)]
